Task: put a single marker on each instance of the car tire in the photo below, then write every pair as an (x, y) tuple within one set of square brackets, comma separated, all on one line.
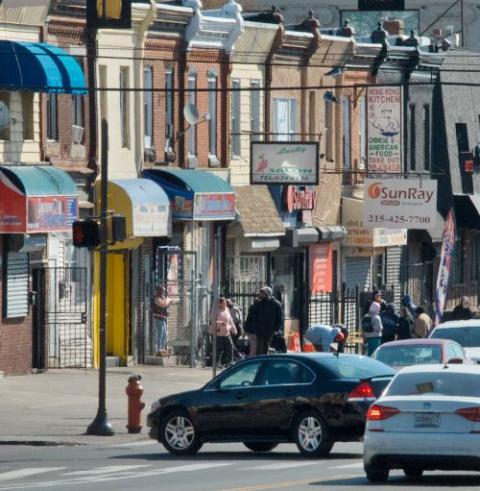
[(311, 435), (377, 474), (260, 446), (178, 434), (413, 472)]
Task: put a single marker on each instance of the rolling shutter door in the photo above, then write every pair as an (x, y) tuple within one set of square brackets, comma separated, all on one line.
[(393, 267), (17, 285), (358, 272)]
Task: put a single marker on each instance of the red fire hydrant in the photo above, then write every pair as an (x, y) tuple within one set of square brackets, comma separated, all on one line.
[(134, 392)]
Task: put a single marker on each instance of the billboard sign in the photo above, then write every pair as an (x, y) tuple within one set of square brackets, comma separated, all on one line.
[(400, 203), (384, 133), (284, 163)]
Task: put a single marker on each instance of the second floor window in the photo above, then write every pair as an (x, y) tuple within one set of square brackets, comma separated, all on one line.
[(413, 139), (212, 110), (148, 106), (329, 131), (192, 99), (169, 120), (52, 117), (124, 108), (255, 111), (236, 115), (284, 119), (427, 137), (346, 133), (28, 121)]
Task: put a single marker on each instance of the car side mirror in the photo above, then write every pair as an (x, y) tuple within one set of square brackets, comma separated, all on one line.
[(455, 361)]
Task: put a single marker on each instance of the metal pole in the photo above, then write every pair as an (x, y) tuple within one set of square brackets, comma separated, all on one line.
[(216, 287), (100, 425)]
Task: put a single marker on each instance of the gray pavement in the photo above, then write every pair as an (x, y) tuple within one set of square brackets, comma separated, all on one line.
[(55, 407)]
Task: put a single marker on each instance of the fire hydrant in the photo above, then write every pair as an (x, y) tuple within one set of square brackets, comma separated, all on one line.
[(134, 392)]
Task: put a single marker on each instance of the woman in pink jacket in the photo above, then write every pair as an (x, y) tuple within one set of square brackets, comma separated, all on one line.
[(224, 327)]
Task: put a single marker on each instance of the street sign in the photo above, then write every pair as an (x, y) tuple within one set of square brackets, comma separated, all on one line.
[(381, 4)]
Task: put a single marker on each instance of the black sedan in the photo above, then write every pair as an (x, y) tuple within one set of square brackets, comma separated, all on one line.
[(312, 399)]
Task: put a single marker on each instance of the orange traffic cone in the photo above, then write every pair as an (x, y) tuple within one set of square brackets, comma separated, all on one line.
[(294, 342), (308, 346)]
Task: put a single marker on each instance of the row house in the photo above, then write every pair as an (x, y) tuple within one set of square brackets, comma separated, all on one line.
[(44, 302)]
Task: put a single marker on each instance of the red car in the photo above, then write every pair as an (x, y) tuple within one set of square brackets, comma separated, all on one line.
[(399, 354)]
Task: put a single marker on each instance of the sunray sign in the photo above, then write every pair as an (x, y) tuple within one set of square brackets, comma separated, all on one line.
[(400, 203)]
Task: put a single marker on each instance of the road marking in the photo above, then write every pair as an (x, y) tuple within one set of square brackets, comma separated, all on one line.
[(105, 470), (279, 466), (142, 443), (356, 465), (31, 471)]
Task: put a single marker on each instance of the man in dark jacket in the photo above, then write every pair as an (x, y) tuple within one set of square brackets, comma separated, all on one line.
[(389, 322), (265, 317), (405, 324), (462, 311)]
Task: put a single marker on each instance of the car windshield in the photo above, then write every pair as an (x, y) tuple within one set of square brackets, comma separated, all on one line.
[(444, 383), (468, 336), (357, 367), (408, 355)]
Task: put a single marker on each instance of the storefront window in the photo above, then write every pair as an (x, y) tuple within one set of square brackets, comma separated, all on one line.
[(285, 272)]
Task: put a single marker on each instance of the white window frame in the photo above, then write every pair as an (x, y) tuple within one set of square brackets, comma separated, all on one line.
[(255, 111), (192, 99), (236, 119), (148, 106), (346, 134), (284, 118), (124, 107), (212, 110), (169, 110)]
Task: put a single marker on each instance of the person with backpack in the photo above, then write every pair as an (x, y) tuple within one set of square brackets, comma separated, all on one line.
[(372, 328)]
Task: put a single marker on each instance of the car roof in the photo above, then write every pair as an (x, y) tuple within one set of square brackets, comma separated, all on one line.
[(421, 341), (469, 323), (436, 368), (308, 356)]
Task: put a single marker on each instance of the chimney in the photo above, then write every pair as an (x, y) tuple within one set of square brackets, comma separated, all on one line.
[(395, 27)]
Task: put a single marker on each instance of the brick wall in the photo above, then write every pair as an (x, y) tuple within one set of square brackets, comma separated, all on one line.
[(15, 339)]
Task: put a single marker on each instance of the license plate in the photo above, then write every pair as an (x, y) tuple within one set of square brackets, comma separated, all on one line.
[(427, 420)]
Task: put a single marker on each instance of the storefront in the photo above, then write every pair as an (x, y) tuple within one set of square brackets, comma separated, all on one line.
[(371, 256), (190, 264), (146, 208)]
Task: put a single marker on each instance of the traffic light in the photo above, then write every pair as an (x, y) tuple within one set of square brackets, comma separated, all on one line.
[(86, 233)]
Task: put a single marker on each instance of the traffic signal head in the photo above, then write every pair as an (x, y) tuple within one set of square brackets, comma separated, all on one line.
[(86, 233)]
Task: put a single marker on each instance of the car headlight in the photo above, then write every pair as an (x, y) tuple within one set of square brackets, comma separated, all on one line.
[(155, 405)]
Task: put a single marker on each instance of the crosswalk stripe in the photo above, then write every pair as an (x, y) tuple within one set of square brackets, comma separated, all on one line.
[(279, 466), (29, 471), (105, 470), (356, 465), (142, 443)]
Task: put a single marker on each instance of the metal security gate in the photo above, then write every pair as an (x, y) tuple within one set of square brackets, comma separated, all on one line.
[(62, 334), (188, 313)]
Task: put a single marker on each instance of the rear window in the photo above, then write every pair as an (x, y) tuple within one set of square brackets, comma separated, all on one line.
[(356, 367), (409, 355), (468, 337), (444, 383)]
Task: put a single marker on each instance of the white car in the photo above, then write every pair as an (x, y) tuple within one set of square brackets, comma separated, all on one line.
[(465, 333), (427, 419)]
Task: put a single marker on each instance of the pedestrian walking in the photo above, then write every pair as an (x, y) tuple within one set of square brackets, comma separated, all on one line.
[(223, 328), (405, 324), (265, 317), (322, 337), (390, 321), (160, 304), (423, 323), (372, 330), (462, 311)]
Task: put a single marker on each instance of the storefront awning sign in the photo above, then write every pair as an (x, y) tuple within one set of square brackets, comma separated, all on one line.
[(400, 203), (284, 163), (36, 199)]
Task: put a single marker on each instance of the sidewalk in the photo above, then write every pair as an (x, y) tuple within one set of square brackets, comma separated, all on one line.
[(55, 407)]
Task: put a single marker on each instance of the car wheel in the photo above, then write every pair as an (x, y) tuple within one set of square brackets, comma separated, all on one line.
[(413, 472), (377, 474), (178, 434), (260, 446), (311, 435)]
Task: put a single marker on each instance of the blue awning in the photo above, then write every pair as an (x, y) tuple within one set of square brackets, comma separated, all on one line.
[(36, 199), (39, 67), (195, 194)]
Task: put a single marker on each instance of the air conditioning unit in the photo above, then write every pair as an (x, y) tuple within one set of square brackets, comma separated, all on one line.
[(77, 134)]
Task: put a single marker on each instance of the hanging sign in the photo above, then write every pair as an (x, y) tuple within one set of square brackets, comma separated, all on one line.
[(384, 143), (400, 203), (284, 163)]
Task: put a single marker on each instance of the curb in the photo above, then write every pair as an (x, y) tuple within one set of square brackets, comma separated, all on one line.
[(41, 443)]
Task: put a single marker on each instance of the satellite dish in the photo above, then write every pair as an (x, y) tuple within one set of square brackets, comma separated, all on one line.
[(5, 119), (191, 114)]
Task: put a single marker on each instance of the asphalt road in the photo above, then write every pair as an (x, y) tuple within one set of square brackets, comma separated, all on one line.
[(145, 466)]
